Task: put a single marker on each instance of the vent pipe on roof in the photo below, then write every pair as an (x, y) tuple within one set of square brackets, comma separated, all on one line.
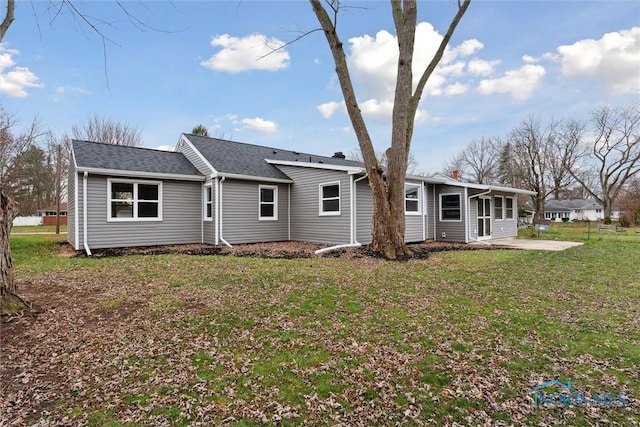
[(339, 155)]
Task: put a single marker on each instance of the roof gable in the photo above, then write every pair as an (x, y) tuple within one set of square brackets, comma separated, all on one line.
[(237, 158), (110, 157)]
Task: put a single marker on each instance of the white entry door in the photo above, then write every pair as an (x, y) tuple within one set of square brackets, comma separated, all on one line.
[(484, 218)]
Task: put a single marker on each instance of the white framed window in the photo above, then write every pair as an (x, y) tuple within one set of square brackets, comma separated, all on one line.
[(268, 203), (207, 213), (412, 199), (330, 198), (131, 200), (508, 208), (450, 207), (498, 202)]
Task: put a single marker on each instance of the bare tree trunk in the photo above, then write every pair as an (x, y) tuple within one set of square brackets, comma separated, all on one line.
[(8, 18), (8, 211), (388, 191)]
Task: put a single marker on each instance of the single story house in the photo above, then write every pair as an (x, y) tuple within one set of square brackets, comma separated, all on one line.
[(49, 214), (576, 210), (223, 192)]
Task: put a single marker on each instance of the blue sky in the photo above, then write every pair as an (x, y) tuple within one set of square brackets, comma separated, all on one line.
[(507, 61)]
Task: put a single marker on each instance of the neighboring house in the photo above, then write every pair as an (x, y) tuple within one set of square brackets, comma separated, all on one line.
[(576, 210), (222, 192), (49, 213)]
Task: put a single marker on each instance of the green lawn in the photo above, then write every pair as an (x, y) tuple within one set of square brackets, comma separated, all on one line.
[(38, 229), (462, 337), (582, 231)]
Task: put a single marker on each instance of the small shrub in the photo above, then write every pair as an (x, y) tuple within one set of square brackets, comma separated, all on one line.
[(630, 219), (607, 220), (565, 219)]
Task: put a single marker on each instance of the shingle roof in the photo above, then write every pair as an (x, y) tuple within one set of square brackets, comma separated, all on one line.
[(565, 205), (97, 155), (247, 159)]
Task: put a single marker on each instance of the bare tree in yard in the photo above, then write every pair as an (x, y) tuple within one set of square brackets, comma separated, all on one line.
[(387, 188), (629, 202), (614, 153), (102, 129), (532, 146), (478, 162), (8, 209)]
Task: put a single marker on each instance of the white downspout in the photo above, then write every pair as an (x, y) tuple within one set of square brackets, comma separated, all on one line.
[(436, 214), (289, 212), (76, 210), (203, 205), (352, 213), (469, 216), (220, 222), (424, 211), (354, 243), (85, 180), (466, 214), (215, 211)]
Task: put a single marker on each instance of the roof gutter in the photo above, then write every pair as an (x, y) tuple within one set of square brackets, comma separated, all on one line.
[(250, 177), (140, 174)]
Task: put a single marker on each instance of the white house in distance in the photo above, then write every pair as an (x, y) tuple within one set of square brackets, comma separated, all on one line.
[(577, 210)]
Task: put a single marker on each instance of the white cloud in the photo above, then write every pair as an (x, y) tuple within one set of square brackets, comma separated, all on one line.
[(520, 83), (60, 92), (373, 62), (14, 80), (377, 109), (455, 89), (480, 67), (260, 125), (328, 108), (467, 48), (164, 147), (614, 59), (253, 52)]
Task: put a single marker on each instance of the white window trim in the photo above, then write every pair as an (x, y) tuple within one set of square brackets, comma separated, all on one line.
[(339, 198), (205, 202), (513, 209), (135, 200), (419, 200), (460, 208), (502, 209), (275, 203)]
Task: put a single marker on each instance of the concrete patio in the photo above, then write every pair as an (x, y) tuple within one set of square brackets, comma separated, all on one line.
[(533, 245)]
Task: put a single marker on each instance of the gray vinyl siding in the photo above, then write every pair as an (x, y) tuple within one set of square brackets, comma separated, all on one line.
[(505, 227), (431, 210), (71, 203), (306, 223), (181, 217), (193, 157), (364, 209), (209, 226), (454, 230), (240, 206)]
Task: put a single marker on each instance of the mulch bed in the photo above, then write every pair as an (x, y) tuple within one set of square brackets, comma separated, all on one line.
[(276, 250)]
